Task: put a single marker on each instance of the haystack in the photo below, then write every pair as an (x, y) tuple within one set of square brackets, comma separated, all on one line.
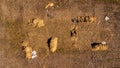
[(28, 52), (53, 44), (38, 23), (49, 5), (92, 19), (25, 43), (74, 38), (100, 47)]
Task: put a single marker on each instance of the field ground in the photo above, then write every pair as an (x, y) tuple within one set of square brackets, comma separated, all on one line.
[(14, 28)]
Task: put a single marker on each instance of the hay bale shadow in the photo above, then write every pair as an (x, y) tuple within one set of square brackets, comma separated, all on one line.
[(48, 42), (94, 44)]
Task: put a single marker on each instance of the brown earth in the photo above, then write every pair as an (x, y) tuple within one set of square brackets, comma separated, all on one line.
[(14, 28)]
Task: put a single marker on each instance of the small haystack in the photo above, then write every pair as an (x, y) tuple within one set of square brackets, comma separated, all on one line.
[(53, 44), (99, 46), (28, 52), (49, 5), (37, 22)]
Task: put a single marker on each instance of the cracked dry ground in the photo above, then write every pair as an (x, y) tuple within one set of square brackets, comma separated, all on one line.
[(14, 28)]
